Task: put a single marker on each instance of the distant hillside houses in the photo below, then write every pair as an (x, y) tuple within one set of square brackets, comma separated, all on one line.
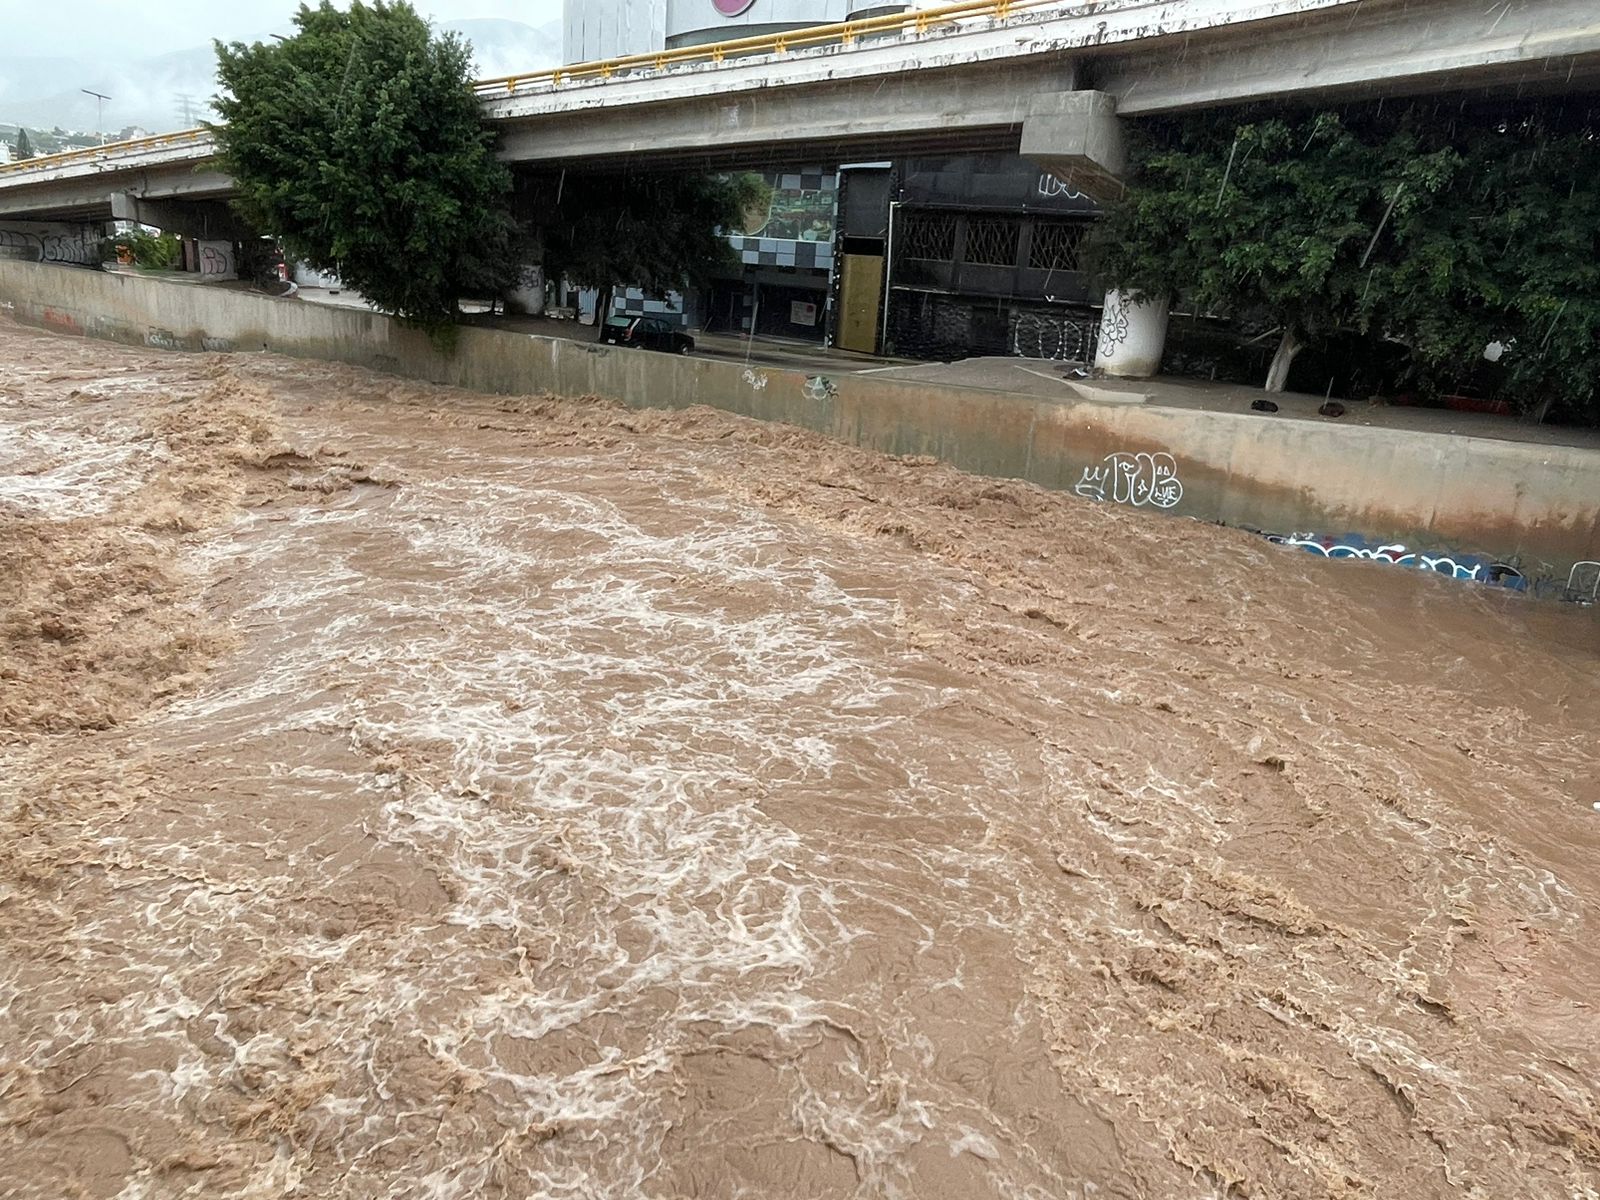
[(54, 141)]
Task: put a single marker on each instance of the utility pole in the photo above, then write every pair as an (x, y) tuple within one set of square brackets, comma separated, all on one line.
[(100, 110), (187, 109)]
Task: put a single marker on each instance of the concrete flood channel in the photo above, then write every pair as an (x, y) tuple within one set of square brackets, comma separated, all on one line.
[(1534, 505), (411, 792)]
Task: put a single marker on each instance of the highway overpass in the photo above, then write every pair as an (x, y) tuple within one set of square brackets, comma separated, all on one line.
[(1037, 76)]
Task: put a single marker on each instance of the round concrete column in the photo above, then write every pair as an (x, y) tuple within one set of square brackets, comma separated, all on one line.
[(1132, 336), (528, 295)]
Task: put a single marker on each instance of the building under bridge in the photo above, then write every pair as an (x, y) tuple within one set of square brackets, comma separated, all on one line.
[(928, 256)]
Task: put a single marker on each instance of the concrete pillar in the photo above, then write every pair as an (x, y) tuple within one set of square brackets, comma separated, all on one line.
[(1132, 336), (528, 295), (1077, 137)]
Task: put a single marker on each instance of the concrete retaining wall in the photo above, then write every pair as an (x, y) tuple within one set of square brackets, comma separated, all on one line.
[(1535, 503)]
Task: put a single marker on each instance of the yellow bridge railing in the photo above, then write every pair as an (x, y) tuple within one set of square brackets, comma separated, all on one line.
[(108, 151), (842, 33)]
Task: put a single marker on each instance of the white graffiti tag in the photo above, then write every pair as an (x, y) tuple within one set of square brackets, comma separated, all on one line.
[(1063, 339), (819, 387), (1049, 186), (1136, 479)]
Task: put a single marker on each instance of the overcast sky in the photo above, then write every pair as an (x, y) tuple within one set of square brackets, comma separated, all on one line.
[(73, 28)]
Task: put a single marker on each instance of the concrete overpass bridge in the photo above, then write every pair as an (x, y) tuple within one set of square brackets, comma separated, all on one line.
[(1041, 77)]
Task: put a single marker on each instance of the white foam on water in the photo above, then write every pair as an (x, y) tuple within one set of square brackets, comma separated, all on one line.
[(57, 469), (579, 750)]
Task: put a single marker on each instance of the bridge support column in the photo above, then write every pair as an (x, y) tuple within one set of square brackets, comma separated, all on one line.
[(1077, 137), (1133, 335)]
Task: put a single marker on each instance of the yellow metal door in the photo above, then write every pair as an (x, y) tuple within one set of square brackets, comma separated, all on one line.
[(860, 302)]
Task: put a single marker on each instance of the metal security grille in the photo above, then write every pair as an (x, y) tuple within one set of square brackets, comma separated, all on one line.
[(929, 327), (930, 236), (1057, 246), (992, 241)]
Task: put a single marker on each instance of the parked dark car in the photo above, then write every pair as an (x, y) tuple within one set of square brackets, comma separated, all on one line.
[(646, 333)]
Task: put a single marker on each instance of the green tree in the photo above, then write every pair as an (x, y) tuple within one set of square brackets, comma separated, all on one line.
[(1269, 222), (359, 142), (1505, 256), (24, 145), (1450, 229), (153, 251), (654, 232)]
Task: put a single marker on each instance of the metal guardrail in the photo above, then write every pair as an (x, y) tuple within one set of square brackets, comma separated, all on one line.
[(1587, 593), (110, 150), (844, 33)]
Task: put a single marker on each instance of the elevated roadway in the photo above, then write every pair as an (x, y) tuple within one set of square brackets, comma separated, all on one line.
[(969, 77)]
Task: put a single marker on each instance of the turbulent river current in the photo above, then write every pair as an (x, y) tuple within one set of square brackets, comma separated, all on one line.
[(413, 794)]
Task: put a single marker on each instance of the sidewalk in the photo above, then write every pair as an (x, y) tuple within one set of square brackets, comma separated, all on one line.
[(782, 353), (1047, 379)]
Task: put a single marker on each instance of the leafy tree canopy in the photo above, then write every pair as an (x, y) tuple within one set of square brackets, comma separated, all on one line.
[(24, 145), (359, 142), (1507, 254), (1445, 228), (654, 232), (157, 251)]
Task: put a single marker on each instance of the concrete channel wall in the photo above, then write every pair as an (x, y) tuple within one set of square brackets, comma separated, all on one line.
[(1538, 505)]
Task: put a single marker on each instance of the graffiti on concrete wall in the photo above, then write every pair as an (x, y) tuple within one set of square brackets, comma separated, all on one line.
[(1050, 186), (216, 261), (819, 387), (1469, 567), (32, 242), (1139, 480), (1114, 325), (56, 318)]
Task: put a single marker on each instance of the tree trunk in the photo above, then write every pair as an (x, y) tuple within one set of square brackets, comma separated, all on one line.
[(1278, 372), (602, 305)]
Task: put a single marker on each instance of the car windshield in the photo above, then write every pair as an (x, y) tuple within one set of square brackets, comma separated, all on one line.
[(618, 322)]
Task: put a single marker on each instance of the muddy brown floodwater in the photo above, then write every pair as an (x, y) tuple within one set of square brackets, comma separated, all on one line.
[(409, 793)]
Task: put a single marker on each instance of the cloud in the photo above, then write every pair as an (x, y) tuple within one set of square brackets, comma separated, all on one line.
[(168, 87), (104, 29)]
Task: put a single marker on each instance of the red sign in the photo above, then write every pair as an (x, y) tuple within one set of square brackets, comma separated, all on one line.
[(732, 8)]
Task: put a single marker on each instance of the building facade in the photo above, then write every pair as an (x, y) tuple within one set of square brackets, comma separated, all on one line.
[(987, 258), (923, 258)]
